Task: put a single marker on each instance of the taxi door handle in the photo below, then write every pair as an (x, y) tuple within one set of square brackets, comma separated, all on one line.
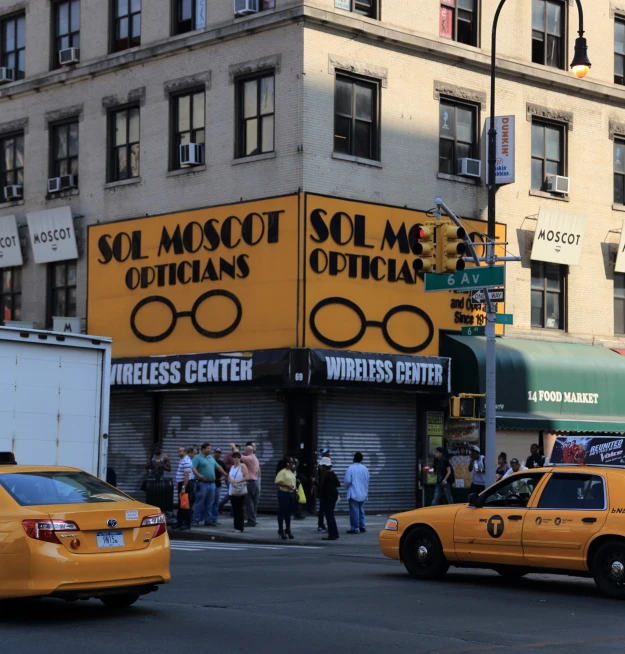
[(589, 519), (515, 517)]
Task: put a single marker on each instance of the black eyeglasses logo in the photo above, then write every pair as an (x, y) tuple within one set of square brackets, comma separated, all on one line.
[(175, 314), (364, 324)]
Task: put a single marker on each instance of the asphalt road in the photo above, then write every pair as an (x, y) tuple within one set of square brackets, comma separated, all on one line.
[(343, 598)]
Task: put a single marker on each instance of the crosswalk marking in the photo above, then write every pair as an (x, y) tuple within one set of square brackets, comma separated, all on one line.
[(199, 546)]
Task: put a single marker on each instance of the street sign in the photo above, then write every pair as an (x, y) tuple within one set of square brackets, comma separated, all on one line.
[(504, 319), (466, 280), (474, 331), (495, 295)]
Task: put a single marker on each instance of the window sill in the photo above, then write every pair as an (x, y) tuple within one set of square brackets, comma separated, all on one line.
[(359, 160), (474, 181), (618, 207), (14, 203), (550, 196), (254, 157), (62, 194), (554, 331), (123, 182), (189, 170)]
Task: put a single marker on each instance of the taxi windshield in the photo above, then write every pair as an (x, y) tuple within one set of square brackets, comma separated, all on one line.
[(45, 488)]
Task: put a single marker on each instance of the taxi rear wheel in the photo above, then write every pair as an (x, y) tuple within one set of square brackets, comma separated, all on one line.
[(608, 569), (121, 601), (423, 554)]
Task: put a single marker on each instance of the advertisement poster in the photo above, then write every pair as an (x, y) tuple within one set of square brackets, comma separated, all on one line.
[(460, 435), (447, 23), (580, 450)]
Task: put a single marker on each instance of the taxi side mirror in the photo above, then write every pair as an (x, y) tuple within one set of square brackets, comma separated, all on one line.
[(473, 500)]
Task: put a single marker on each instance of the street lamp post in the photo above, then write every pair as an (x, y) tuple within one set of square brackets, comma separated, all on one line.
[(580, 66)]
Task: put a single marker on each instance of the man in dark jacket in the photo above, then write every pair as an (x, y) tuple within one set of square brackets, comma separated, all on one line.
[(444, 473)]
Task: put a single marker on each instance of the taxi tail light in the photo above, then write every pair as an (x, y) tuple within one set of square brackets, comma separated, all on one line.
[(158, 520), (45, 530)]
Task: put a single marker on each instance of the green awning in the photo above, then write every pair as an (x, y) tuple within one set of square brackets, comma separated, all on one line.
[(541, 385)]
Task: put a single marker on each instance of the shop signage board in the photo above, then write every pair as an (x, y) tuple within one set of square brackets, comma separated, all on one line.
[(587, 450), (559, 237), (52, 235), (10, 250), (505, 170), (466, 279), (620, 255), (474, 331), (495, 295)]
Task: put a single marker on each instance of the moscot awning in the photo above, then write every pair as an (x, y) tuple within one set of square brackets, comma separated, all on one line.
[(557, 387)]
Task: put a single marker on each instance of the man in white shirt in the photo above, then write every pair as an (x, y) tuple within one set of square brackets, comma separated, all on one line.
[(515, 466), (357, 485), (477, 468), (184, 475)]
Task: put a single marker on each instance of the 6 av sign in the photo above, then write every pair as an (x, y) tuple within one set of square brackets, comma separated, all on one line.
[(466, 280)]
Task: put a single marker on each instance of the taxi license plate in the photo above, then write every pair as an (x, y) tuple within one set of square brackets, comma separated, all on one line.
[(110, 539)]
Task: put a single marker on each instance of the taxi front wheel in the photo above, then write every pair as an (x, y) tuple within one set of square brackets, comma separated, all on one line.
[(121, 601), (423, 556), (608, 569)]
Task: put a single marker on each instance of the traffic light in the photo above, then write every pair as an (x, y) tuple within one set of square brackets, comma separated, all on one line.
[(463, 406), (450, 248), (421, 238)]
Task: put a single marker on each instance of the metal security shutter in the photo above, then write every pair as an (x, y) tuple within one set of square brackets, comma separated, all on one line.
[(223, 417), (384, 428), (130, 440)]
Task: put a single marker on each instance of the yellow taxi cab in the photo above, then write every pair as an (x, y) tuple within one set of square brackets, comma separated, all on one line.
[(565, 520), (67, 534)]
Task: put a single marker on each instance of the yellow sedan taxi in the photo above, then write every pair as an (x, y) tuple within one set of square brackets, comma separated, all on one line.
[(566, 520), (67, 534)]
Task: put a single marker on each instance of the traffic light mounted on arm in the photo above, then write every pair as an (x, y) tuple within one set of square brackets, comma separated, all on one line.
[(422, 245), (450, 249)]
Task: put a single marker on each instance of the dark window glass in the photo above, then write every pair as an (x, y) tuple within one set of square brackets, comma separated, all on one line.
[(548, 155), (255, 115), (356, 123), (573, 491), (457, 133), (548, 295), (13, 41), (189, 15), (548, 32), (124, 144), (619, 171), (459, 21), (10, 294), (126, 24), (619, 303), (366, 8), (63, 282), (65, 150), (619, 51), (66, 27), (188, 122), (11, 162)]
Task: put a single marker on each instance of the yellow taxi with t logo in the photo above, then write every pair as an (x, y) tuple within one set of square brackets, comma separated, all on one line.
[(567, 519)]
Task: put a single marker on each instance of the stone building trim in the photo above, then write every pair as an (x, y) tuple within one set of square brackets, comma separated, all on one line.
[(547, 113), (199, 80), (617, 8), (360, 68), (19, 125), (272, 62), (134, 96), (460, 92), (615, 129), (57, 115)]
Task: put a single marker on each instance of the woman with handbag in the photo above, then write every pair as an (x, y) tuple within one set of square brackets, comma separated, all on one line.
[(237, 490), (285, 481)]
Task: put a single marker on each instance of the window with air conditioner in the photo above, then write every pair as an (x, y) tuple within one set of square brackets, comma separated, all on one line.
[(188, 117), (13, 48), (64, 155), (66, 32), (548, 154), (458, 144), (12, 166)]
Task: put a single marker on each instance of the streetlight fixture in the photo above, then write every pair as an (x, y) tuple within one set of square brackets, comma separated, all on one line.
[(580, 67)]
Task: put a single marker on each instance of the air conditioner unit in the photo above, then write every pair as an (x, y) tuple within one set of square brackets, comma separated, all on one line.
[(558, 184), (192, 154), (469, 167), (69, 56), (244, 7), (14, 192), (56, 184), (7, 75)]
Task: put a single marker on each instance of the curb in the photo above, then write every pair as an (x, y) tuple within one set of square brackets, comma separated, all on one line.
[(226, 538)]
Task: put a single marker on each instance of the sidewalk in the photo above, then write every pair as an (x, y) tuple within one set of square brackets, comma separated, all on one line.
[(266, 532)]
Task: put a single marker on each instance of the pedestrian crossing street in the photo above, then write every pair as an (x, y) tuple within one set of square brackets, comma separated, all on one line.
[(202, 546)]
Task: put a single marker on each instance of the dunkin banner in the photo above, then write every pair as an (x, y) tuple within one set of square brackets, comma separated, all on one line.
[(604, 450)]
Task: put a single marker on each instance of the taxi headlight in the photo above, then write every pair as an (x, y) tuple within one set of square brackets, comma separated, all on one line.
[(391, 525)]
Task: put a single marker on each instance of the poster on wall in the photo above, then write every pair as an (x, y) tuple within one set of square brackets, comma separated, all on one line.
[(460, 436), (447, 23), (581, 450)]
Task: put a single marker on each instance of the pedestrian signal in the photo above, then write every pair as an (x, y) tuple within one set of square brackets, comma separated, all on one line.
[(463, 406), (450, 249), (421, 239)]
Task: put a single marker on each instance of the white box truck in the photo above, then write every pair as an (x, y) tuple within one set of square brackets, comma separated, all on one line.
[(54, 398)]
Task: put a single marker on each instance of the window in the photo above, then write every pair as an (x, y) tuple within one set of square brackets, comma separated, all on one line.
[(548, 281), (512, 493), (67, 27), (63, 276), (189, 15), (619, 171), (619, 303), (548, 42), (619, 51), (11, 294), (126, 24), (458, 21), (124, 148), (367, 8), (65, 149), (573, 491), (458, 136), (356, 122), (11, 162), (13, 40), (188, 121), (256, 115), (548, 153)]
